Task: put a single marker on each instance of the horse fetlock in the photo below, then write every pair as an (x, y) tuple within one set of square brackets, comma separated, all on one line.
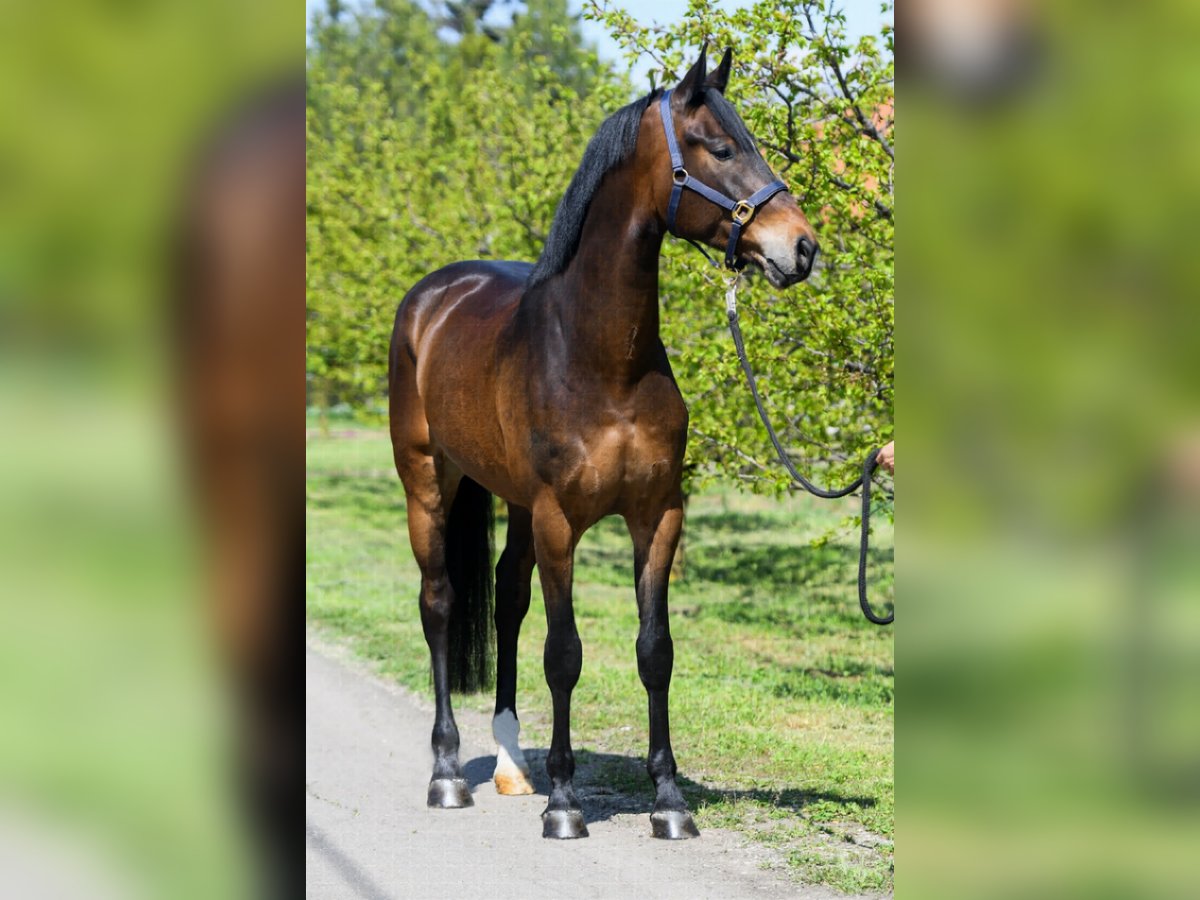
[(560, 766), (445, 739), (512, 771), (662, 769)]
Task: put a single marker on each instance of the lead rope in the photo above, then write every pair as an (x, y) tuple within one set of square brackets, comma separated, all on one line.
[(864, 481)]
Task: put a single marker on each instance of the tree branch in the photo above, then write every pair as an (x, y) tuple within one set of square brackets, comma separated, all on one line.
[(882, 209), (866, 126), (750, 460)]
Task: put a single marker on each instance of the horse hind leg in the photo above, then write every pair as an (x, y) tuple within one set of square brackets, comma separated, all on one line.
[(513, 573), (430, 505)]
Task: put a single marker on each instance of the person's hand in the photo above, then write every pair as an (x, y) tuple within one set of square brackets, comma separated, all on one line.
[(887, 457)]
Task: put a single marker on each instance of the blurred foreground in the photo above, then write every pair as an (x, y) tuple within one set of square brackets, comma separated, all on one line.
[(141, 752), (1049, 732)]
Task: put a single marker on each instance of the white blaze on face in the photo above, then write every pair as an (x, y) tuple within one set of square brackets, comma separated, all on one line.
[(511, 769)]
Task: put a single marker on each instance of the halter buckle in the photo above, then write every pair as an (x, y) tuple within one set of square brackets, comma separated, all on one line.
[(680, 175), (742, 212)]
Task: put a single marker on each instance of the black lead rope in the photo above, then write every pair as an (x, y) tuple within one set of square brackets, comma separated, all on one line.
[(864, 481)]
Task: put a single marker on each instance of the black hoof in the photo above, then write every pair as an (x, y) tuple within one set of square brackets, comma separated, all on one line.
[(563, 824), (449, 793), (673, 825)]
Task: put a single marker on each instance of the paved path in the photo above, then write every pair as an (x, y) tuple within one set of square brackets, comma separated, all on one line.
[(368, 833)]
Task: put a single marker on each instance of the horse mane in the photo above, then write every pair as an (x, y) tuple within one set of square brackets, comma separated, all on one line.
[(613, 143)]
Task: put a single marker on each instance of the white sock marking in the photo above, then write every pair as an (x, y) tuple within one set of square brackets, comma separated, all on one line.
[(509, 758)]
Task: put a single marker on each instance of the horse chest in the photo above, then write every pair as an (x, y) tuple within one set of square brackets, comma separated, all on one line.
[(603, 466)]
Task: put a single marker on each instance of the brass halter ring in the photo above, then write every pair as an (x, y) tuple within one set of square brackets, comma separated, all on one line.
[(742, 212)]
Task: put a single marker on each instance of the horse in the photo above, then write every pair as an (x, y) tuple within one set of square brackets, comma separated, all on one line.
[(548, 386)]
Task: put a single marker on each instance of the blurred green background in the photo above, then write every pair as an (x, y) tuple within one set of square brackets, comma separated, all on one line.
[(1049, 726), (114, 739)]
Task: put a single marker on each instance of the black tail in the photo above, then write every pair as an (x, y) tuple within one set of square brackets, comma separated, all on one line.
[(469, 566)]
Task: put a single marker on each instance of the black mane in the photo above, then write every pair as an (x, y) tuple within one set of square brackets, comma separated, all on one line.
[(612, 144)]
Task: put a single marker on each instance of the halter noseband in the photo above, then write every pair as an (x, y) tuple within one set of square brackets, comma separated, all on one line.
[(740, 211)]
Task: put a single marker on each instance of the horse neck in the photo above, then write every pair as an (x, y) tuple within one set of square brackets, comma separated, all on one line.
[(608, 295)]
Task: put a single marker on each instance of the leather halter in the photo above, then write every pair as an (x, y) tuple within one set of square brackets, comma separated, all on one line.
[(740, 211)]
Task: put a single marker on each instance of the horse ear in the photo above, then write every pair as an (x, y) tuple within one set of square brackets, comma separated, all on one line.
[(691, 88), (718, 79)]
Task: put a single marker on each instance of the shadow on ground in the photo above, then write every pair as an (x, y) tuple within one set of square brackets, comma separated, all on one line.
[(749, 564), (609, 785)]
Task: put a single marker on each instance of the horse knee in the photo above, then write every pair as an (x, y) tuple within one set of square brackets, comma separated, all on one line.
[(563, 660), (656, 658)]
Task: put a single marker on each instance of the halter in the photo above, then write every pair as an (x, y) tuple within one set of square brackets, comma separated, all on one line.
[(740, 211)]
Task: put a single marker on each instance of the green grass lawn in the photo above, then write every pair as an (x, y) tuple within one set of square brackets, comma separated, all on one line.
[(782, 705)]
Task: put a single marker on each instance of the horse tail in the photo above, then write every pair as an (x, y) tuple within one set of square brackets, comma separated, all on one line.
[(469, 567)]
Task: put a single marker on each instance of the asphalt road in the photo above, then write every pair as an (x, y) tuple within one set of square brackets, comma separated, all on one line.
[(368, 833)]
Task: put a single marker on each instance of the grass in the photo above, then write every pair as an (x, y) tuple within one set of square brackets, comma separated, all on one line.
[(782, 704)]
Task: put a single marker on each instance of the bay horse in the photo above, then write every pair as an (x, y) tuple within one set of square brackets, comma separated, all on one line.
[(548, 386)]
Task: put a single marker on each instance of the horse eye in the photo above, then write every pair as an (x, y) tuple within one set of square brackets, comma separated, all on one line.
[(722, 153)]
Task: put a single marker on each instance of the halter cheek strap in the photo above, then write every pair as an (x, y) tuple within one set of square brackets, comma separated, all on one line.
[(740, 211)]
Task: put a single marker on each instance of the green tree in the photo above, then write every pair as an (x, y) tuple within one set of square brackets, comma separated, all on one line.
[(547, 31)]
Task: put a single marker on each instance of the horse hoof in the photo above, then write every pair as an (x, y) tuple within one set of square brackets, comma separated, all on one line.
[(563, 824), (673, 825), (512, 784), (449, 793)]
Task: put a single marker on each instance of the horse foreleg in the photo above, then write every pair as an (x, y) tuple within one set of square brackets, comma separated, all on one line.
[(513, 572), (554, 546), (655, 539)]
